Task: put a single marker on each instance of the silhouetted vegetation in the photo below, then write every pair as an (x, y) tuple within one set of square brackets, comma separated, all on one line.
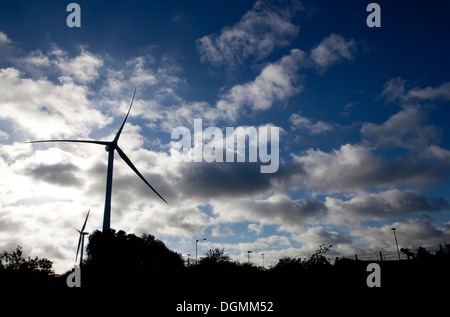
[(215, 257), (118, 260), (15, 270)]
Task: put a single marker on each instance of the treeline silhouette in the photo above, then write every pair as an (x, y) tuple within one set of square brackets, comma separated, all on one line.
[(15, 270), (117, 260)]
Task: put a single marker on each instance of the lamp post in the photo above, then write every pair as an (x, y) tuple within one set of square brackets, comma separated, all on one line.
[(263, 259), (248, 254), (396, 243), (196, 243)]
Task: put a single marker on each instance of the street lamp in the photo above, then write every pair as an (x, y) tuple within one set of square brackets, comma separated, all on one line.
[(196, 243), (248, 254), (263, 259), (396, 243)]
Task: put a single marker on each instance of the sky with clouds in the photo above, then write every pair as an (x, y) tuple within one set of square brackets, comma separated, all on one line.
[(364, 143)]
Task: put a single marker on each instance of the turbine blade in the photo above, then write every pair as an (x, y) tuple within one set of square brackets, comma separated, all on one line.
[(127, 160), (84, 224), (76, 141), (126, 117), (78, 248)]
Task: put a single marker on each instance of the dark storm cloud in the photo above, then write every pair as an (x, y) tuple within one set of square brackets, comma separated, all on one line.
[(64, 174), (288, 212), (209, 180), (389, 203), (403, 171), (217, 180)]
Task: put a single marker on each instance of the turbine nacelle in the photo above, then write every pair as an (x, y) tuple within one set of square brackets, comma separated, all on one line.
[(109, 147)]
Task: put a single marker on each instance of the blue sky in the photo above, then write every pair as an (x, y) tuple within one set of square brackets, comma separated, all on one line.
[(362, 112)]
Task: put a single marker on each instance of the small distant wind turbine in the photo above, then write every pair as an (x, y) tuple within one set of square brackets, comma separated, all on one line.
[(110, 146), (81, 239)]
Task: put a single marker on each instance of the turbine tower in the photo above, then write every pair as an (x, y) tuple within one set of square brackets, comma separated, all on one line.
[(81, 239), (110, 146)]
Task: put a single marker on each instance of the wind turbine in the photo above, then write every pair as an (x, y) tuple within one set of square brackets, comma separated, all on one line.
[(81, 239), (110, 146)]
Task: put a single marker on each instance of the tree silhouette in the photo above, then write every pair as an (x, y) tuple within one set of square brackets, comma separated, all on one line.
[(17, 271), (318, 259), (215, 256), (127, 259), (15, 262), (423, 254), (286, 264)]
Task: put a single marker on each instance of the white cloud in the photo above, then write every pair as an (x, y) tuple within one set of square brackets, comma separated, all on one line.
[(411, 234), (262, 29), (141, 75), (394, 90), (37, 59), (278, 209), (302, 123), (257, 229), (404, 129), (221, 231), (438, 152), (263, 243), (43, 109), (340, 170), (331, 50), (315, 236), (83, 68), (176, 221), (276, 83), (355, 167), (4, 38), (7, 48), (431, 93), (3, 136), (280, 80)]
